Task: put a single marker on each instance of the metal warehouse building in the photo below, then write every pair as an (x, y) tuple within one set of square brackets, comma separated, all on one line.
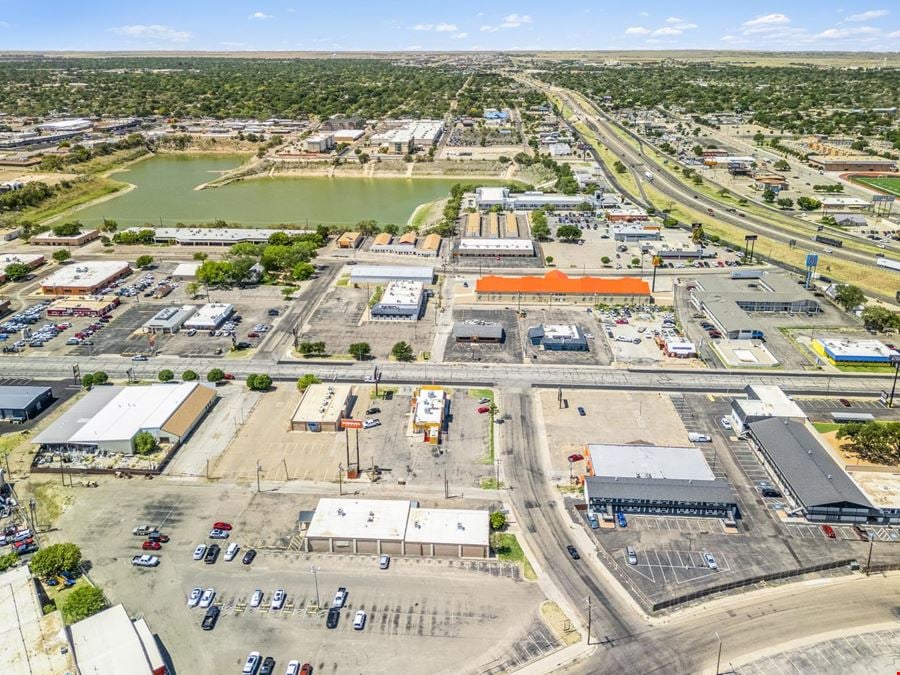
[(397, 527), (18, 404), (464, 331), (842, 350), (820, 488), (382, 274)]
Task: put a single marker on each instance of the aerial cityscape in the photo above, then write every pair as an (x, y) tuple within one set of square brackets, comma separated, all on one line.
[(456, 339)]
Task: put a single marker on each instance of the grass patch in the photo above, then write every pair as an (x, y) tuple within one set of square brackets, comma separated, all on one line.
[(52, 499), (58, 594), (481, 393), (506, 546), (343, 281), (490, 482), (9, 443), (376, 296), (888, 184), (826, 427), (863, 367), (81, 192)]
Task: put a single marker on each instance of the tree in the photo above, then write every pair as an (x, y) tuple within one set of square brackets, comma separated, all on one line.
[(568, 232), (785, 202), (781, 165), (635, 262), (360, 350), (144, 261), (697, 234), (759, 138), (260, 382), (312, 348), (200, 256), (768, 196), (189, 376), (215, 375), (497, 519), (879, 318), (402, 352), (697, 150), (306, 381), (877, 442), (549, 259), (849, 297), (540, 230), (808, 203), (166, 375), (72, 229), (100, 377), (144, 443), (109, 225), (82, 602), (302, 271), (192, 289), (87, 380), (605, 260), (618, 167), (56, 558), (367, 228), (17, 271), (61, 255)]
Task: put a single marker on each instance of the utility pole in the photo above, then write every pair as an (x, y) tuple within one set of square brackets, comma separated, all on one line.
[(340, 480), (315, 572), (207, 469), (589, 621), (869, 559), (258, 469), (446, 486), (347, 444), (357, 451), (719, 655), (895, 361), (286, 475)]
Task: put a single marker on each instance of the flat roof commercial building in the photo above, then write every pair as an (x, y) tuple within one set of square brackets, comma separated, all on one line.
[(186, 270), (85, 278), (97, 305), (850, 163), (50, 239), (469, 331), (556, 287), (429, 407), (763, 401), (108, 418), (728, 302), (18, 404), (558, 338), (110, 643), (635, 232), (210, 316), (349, 240), (843, 350), (844, 203), (397, 527), (804, 469), (381, 274), (169, 319), (649, 461), (492, 247), (32, 260), (214, 236), (401, 301), (486, 197), (322, 407)]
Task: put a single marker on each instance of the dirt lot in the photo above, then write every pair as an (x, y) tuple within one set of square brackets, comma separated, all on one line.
[(610, 417), (265, 437), (339, 321)]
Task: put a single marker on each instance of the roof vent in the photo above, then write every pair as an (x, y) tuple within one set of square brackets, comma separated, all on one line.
[(460, 526), (340, 511)]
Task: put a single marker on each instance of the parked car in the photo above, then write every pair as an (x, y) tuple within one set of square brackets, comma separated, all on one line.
[(231, 551), (293, 668), (359, 620), (212, 554), (573, 552), (207, 597), (249, 556), (829, 532), (218, 534), (483, 409), (138, 357), (229, 376), (581, 411), (306, 669), (844, 402), (194, 597), (199, 552), (861, 532), (222, 526), (575, 458), (209, 620), (145, 560), (151, 546), (384, 561), (278, 598), (620, 519), (630, 555), (726, 423), (251, 665), (142, 530), (334, 615), (257, 598), (710, 561), (373, 411), (371, 424), (695, 437), (340, 597), (268, 666), (156, 536)]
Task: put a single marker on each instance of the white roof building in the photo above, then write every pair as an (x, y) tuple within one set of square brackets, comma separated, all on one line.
[(649, 461), (186, 270), (85, 276), (210, 316), (448, 526), (322, 407), (169, 319), (363, 274), (763, 401), (66, 125), (110, 643), (844, 203), (383, 519), (430, 406), (30, 259), (214, 236), (476, 245)]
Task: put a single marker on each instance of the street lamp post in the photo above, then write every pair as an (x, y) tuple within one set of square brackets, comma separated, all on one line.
[(719, 654), (315, 572), (895, 361)]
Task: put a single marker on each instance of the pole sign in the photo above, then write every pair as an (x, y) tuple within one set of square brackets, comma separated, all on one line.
[(812, 259), (351, 424)]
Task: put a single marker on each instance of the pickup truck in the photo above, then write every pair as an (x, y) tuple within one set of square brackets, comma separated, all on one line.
[(340, 597), (142, 530)]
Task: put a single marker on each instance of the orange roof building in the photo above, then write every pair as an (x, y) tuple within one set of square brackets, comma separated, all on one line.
[(556, 286)]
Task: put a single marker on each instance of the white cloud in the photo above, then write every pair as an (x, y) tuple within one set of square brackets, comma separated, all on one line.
[(423, 26), (488, 29), (460, 36), (446, 28), (767, 20), (515, 20), (844, 33), (645, 13), (636, 30), (261, 16), (154, 32), (674, 19), (895, 35), (868, 15), (667, 31)]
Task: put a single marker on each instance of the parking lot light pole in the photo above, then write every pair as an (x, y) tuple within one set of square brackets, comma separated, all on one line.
[(258, 469), (719, 655), (315, 572)]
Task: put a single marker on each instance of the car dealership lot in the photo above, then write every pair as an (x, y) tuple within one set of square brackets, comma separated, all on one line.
[(418, 609)]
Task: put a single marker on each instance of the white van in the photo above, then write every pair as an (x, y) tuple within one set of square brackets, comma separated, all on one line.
[(231, 551), (694, 437)]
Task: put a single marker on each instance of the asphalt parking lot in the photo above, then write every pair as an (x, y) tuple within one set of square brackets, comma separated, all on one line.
[(511, 350), (123, 335), (63, 390), (418, 610)]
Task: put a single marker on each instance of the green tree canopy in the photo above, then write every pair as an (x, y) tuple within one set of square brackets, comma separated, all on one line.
[(215, 375), (81, 603), (144, 443), (259, 382), (402, 351), (189, 376), (144, 261), (56, 558), (61, 255), (17, 271), (568, 232), (877, 442), (849, 297), (100, 377), (360, 350), (498, 520), (880, 318), (166, 375), (72, 229), (307, 380)]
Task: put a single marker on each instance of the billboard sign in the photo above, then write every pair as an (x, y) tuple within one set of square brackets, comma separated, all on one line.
[(812, 259), (351, 424), (882, 198)]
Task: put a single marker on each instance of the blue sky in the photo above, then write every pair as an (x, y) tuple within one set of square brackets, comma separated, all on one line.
[(462, 25)]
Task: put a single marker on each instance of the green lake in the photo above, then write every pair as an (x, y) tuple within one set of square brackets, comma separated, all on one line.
[(165, 192)]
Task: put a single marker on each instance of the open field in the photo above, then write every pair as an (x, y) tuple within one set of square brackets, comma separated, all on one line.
[(887, 184)]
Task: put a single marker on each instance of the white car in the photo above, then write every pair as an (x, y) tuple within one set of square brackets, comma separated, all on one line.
[(256, 598), (218, 534), (369, 379), (293, 668), (710, 561), (339, 598), (726, 423), (371, 424), (207, 597), (231, 551), (251, 665), (194, 597), (278, 599), (359, 620), (199, 552), (145, 561)]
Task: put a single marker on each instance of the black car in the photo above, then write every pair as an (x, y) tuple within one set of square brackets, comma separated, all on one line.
[(212, 554), (334, 615), (581, 411), (209, 621), (573, 552), (268, 666), (249, 556), (770, 492), (373, 411)]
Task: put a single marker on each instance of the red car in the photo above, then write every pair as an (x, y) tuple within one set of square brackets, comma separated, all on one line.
[(621, 322), (222, 526), (151, 546), (575, 458), (844, 402), (829, 531), (483, 409), (228, 376), (253, 334)]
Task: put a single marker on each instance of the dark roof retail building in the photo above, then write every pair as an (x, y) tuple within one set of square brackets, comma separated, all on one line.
[(18, 404), (477, 332)]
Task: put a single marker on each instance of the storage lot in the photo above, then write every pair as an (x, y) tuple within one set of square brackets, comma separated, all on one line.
[(418, 609)]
